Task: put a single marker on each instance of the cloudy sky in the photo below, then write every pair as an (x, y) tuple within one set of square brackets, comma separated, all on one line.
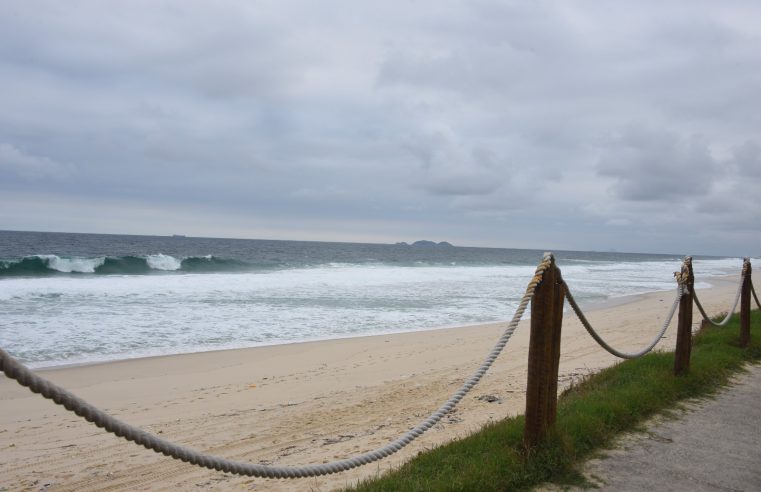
[(633, 126)]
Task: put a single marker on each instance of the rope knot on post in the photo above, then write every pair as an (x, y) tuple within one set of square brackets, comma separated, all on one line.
[(548, 259), (683, 276)]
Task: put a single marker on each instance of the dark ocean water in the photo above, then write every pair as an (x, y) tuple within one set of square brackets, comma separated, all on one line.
[(71, 298), (44, 253)]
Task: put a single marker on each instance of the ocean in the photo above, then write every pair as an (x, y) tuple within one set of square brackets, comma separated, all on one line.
[(82, 298)]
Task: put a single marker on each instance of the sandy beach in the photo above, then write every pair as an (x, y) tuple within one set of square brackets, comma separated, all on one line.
[(302, 403)]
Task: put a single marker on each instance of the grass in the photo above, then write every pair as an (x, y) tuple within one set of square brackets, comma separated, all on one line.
[(590, 415)]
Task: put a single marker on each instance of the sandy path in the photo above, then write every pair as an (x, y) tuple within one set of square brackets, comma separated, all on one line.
[(294, 404)]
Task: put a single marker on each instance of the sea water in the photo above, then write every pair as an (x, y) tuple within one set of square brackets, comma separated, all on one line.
[(79, 298)]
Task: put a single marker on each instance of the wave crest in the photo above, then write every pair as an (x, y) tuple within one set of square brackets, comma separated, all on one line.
[(46, 265), (163, 262)]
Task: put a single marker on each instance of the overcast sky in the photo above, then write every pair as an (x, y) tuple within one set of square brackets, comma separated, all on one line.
[(633, 126)]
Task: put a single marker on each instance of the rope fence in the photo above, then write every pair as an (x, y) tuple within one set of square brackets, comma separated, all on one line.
[(545, 291), (729, 312), (606, 345)]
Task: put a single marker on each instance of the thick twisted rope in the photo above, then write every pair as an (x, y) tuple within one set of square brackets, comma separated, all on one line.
[(734, 305), (624, 355), (15, 370), (753, 289)]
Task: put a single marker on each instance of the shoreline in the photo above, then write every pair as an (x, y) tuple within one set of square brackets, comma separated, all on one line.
[(590, 306), (593, 306), (298, 403)]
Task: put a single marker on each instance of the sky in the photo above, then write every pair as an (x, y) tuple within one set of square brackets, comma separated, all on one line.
[(583, 125)]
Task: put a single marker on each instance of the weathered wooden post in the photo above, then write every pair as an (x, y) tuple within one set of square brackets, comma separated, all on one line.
[(544, 356), (684, 330), (745, 305)]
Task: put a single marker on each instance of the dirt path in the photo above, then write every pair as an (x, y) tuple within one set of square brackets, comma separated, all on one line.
[(713, 445)]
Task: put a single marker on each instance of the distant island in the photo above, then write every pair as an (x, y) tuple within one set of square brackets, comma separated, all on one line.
[(427, 244)]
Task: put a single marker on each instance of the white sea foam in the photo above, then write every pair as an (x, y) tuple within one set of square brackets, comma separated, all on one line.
[(53, 320), (69, 265), (163, 262)]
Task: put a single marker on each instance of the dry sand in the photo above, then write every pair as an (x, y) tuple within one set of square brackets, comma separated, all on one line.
[(296, 404)]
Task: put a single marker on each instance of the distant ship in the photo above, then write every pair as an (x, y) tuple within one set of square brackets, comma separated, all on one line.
[(178, 235)]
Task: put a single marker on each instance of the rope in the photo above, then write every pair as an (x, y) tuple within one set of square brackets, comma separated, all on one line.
[(753, 289), (679, 293), (15, 370), (734, 306)]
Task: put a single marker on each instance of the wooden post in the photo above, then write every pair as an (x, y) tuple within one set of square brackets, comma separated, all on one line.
[(544, 356), (552, 403), (684, 330), (745, 306)]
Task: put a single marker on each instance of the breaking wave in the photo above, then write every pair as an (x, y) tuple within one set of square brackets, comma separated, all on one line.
[(46, 265)]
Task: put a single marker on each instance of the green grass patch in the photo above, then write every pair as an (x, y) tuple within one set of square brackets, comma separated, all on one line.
[(590, 415)]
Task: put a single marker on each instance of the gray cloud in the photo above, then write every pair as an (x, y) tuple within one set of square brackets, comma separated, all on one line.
[(747, 159), (30, 167), (450, 168), (648, 165), (439, 117)]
